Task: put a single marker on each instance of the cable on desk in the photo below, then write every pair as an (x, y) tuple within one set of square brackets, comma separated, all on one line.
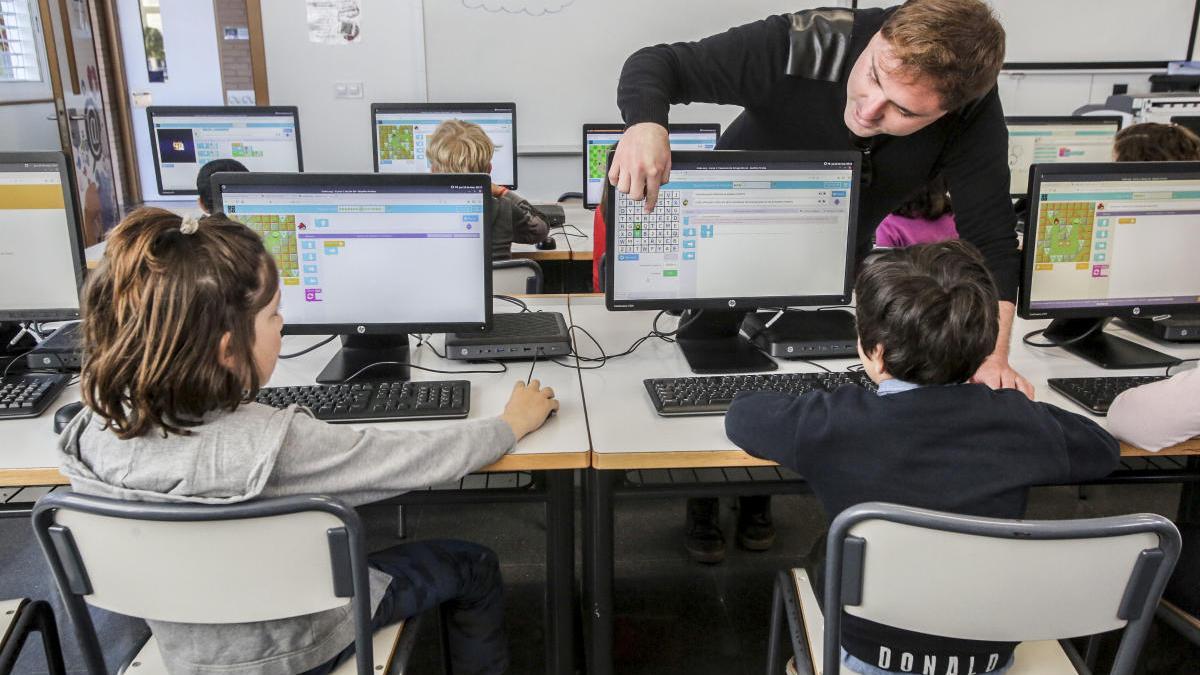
[(1181, 362), (360, 371), (511, 300), (302, 352), (1064, 343)]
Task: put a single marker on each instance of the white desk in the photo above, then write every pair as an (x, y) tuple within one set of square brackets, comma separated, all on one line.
[(643, 440), (29, 456), (579, 222)]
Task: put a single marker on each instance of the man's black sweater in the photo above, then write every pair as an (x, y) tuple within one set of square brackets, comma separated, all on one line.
[(748, 67), (964, 448)]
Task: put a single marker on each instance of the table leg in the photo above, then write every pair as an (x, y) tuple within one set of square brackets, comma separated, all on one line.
[(598, 568), (560, 572)]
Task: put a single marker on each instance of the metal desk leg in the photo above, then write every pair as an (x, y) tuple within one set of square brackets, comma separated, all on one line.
[(560, 572), (598, 568)]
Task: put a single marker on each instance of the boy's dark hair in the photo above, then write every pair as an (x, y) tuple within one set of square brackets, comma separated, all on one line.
[(1154, 142), (932, 307), (154, 312), (204, 178), (928, 202)]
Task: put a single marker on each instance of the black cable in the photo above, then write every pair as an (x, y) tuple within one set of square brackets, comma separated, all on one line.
[(424, 340), (14, 360), (813, 363), (529, 378), (302, 352), (1065, 343), (515, 301), (360, 371)]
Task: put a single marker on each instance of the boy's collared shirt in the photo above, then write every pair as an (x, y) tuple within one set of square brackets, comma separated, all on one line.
[(894, 385)]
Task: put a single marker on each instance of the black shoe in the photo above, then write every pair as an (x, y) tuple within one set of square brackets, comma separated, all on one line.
[(755, 530), (704, 540)]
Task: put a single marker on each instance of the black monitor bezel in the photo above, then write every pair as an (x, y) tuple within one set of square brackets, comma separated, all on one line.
[(75, 235), (726, 157), (1190, 127), (1036, 173), (1051, 120), (216, 111), (308, 180), (444, 107), (686, 127)]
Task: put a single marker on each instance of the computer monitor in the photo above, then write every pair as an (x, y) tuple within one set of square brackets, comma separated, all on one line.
[(1111, 240), (41, 246), (1056, 140), (264, 139), (599, 139), (371, 257), (733, 232), (1191, 123), (400, 132)]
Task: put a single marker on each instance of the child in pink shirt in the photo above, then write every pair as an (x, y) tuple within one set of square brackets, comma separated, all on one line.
[(925, 217)]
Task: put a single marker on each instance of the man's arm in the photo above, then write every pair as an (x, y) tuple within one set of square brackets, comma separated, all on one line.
[(737, 67)]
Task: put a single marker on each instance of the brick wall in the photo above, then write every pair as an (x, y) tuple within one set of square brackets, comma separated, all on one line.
[(236, 73)]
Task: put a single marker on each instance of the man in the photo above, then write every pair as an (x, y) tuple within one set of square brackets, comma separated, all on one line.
[(913, 88)]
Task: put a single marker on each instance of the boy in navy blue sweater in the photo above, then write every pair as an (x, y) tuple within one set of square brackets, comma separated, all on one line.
[(926, 321)]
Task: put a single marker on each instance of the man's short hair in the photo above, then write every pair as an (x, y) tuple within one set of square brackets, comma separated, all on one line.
[(459, 147), (956, 45), (1154, 142), (204, 178), (932, 307)]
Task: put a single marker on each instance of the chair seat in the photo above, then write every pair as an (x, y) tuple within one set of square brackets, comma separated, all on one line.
[(9, 611), (383, 646), (1044, 657)]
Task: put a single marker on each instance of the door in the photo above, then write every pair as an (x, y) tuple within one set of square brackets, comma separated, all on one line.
[(83, 129), (181, 68), (27, 116)]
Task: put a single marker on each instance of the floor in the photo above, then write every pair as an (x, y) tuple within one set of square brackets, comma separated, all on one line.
[(673, 615)]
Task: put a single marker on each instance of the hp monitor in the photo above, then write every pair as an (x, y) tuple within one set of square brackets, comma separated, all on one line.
[(400, 133), (41, 246), (371, 257), (733, 232), (264, 139), (1111, 240)]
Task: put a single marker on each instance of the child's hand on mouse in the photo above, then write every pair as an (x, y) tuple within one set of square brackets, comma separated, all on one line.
[(528, 407)]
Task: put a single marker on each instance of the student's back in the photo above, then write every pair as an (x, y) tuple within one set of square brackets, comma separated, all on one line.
[(927, 317)]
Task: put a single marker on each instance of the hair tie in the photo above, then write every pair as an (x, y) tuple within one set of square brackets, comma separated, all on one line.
[(189, 225)]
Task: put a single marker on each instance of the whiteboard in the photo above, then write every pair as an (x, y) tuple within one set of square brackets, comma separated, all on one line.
[(559, 60), (1091, 31)]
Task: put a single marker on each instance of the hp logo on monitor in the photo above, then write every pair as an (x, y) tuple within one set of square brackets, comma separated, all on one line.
[(361, 329), (732, 303)]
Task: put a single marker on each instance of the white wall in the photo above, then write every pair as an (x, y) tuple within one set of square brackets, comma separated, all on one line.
[(388, 60)]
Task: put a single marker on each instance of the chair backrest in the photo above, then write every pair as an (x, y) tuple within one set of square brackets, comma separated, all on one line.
[(254, 561), (516, 277), (997, 580)]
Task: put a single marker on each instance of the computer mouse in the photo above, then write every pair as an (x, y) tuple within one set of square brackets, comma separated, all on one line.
[(64, 415), (548, 245)]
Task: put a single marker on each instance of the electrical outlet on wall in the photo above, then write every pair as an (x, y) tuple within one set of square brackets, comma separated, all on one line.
[(347, 89)]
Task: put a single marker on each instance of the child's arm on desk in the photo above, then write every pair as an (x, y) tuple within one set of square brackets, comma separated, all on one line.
[(778, 427)]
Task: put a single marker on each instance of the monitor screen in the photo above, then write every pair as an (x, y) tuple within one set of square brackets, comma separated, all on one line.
[(598, 139), (391, 253), (41, 255), (1110, 238), (1192, 124), (185, 139), (1056, 140), (403, 130), (736, 230)]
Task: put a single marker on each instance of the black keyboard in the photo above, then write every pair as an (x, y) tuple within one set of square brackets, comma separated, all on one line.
[(1097, 393), (376, 401), (712, 395), (29, 394)]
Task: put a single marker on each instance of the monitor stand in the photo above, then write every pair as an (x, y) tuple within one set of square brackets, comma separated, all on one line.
[(713, 344), (1102, 349), (360, 351)]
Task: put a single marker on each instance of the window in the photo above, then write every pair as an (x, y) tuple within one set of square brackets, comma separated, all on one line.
[(18, 44)]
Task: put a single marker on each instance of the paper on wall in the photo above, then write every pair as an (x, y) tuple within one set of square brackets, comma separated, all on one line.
[(334, 22)]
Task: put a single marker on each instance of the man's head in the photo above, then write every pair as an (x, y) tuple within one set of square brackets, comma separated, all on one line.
[(460, 147), (926, 314), (204, 179), (929, 58)]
